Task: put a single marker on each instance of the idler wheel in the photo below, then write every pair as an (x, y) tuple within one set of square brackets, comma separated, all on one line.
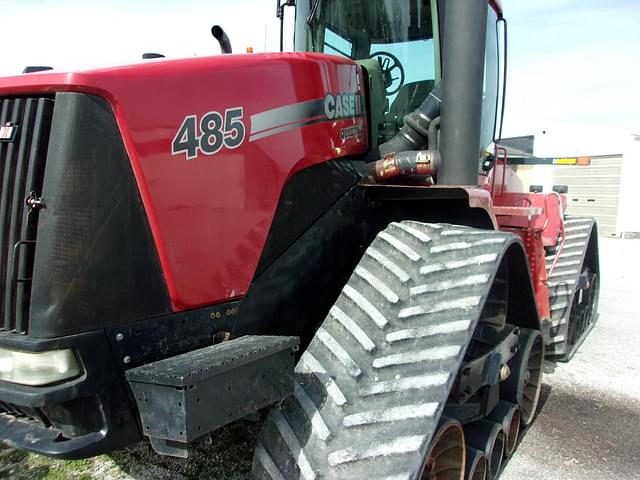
[(524, 384)]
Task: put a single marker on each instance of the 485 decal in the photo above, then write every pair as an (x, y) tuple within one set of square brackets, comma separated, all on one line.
[(210, 134)]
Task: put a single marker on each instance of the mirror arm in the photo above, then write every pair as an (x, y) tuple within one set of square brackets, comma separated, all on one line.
[(280, 14)]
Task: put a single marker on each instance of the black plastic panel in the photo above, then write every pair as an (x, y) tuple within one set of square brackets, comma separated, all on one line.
[(153, 339), (95, 263), (293, 295), (305, 198)]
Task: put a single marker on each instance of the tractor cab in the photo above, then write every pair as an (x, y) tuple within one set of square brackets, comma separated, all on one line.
[(399, 44)]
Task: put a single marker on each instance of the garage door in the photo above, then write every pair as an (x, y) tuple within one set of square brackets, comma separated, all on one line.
[(594, 190)]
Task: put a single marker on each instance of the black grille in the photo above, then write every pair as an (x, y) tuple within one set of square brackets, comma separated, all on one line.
[(25, 413), (22, 159)]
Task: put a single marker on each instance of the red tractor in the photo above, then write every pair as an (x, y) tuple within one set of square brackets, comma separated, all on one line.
[(185, 242)]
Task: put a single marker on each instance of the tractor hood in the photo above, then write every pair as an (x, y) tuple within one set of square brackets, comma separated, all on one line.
[(219, 136)]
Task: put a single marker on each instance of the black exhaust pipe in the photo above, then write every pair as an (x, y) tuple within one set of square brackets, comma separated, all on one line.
[(220, 35), (462, 75), (35, 68), (151, 55)]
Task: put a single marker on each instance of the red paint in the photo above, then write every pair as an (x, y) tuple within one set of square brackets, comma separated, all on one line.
[(497, 6), (210, 216), (537, 218), (537, 266)]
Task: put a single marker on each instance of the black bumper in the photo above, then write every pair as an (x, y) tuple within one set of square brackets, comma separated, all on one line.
[(79, 418)]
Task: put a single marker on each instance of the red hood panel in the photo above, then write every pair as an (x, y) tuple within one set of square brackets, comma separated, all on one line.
[(211, 205)]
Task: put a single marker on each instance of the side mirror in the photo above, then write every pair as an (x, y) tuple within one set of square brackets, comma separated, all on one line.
[(501, 26)]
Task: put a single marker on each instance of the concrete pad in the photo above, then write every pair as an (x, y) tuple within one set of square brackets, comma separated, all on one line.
[(589, 418)]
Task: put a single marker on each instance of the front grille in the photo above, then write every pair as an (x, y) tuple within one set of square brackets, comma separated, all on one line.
[(22, 159), (25, 413)]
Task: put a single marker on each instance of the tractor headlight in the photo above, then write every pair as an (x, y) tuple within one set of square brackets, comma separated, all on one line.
[(37, 368)]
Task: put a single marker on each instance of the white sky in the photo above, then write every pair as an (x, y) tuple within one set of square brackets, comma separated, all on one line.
[(574, 74), (573, 63)]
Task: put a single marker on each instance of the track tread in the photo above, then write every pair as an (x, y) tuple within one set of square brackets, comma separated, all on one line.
[(563, 280), (374, 380)]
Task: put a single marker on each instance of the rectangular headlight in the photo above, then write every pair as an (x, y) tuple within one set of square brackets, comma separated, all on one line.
[(37, 368)]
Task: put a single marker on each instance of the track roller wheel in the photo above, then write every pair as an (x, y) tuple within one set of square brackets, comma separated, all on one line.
[(582, 309), (446, 457), (508, 415), (487, 437), (476, 465), (524, 384)]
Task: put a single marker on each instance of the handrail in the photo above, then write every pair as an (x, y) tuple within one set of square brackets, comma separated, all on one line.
[(562, 233), (504, 167)]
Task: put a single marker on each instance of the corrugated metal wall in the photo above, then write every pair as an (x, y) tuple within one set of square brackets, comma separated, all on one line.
[(594, 190)]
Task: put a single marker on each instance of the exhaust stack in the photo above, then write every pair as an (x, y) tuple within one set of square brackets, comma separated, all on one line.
[(463, 71), (151, 55), (220, 35)]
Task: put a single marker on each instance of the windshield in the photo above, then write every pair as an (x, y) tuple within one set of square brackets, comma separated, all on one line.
[(361, 23), (397, 33)]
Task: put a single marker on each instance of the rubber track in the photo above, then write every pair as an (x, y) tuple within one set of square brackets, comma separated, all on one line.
[(563, 281), (373, 382)]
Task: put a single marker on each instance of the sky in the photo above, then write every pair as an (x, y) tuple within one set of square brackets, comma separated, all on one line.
[(574, 73), (573, 64)]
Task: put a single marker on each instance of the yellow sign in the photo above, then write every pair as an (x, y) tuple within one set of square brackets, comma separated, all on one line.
[(565, 161), (582, 161)]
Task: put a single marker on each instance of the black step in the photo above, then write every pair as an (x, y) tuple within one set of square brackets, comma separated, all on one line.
[(183, 398)]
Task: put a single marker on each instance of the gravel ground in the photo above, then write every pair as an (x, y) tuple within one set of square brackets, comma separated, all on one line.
[(588, 424)]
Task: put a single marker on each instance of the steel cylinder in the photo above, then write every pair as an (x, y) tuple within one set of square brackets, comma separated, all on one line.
[(465, 33)]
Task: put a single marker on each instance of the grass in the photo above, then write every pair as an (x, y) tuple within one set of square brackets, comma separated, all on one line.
[(228, 457), (20, 465)]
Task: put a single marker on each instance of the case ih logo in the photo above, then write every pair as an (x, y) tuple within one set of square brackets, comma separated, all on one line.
[(343, 105), (8, 132)]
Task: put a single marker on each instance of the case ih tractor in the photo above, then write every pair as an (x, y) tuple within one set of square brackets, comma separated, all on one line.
[(185, 242)]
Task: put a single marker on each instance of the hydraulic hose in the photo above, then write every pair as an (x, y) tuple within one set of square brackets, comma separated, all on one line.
[(414, 134), (404, 154), (422, 162)]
